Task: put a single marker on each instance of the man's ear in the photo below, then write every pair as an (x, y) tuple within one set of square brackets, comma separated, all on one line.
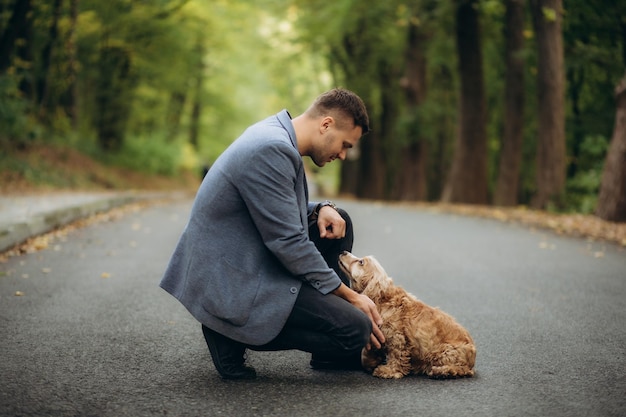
[(327, 123)]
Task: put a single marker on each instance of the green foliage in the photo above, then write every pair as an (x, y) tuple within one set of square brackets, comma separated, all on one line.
[(595, 54), (143, 67), (582, 189), (549, 14), (14, 120), (113, 93), (152, 155)]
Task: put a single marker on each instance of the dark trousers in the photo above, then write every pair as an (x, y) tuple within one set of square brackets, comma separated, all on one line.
[(325, 325), (332, 248)]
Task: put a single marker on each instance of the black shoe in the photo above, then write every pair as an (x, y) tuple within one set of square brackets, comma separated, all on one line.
[(347, 363), (228, 356)]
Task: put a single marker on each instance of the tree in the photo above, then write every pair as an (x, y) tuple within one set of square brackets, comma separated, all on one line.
[(45, 72), (196, 108), (612, 198), (367, 61), (411, 181), (550, 169), (507, 185), (71, 95), (113, 93), (8, 39), (467, 182)]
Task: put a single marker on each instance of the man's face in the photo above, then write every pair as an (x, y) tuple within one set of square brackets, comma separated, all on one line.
[(334, 143)]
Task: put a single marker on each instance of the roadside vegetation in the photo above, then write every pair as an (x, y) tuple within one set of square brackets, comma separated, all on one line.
[(500, 104)]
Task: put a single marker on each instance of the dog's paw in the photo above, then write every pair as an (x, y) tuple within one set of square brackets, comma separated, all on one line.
[(449, 372), (387, 372)]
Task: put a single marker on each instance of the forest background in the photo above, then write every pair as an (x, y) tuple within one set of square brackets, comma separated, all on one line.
[(508, 103)]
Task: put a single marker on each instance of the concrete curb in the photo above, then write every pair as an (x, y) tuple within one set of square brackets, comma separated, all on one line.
[(13, 233)]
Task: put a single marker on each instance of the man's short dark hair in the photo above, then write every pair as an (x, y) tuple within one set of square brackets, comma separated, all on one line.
[(345, 102)]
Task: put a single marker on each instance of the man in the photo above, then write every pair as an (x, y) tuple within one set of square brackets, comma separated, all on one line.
[(247, 265)]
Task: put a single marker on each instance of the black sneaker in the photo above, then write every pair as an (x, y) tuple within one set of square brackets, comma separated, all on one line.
[(228, 356)]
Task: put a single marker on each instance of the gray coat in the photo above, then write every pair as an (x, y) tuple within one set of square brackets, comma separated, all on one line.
[(245, 251)]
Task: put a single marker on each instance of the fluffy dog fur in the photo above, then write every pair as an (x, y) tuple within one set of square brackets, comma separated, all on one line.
[(419, 339)]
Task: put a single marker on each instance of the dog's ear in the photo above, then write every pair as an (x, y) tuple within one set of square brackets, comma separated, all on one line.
[(378, 282)]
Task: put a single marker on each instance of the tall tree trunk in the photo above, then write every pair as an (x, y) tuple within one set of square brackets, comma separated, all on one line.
[(113, 97), (467, 182), (71, 95), (612, 198), (24, 58), (411, 181), (194, 123), (371, 167), (174, 113), (381, 185), (8, 38), (43, 83), (196, 108), (507, 185), (550, 173), (370, 178)]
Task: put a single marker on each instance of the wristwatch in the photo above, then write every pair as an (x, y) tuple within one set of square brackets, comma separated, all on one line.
[(316, 210)]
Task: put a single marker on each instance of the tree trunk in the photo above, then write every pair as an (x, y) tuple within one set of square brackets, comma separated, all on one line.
[(174, 113), (612, 198), (114, 96), (24, 56), (550, 172), (71, 95), (467, 182), (371, 178), (196, 108), (411, 181), (507, 184), (349, 173), (43, 84), (388, 122), (194, 123), (8, 39)]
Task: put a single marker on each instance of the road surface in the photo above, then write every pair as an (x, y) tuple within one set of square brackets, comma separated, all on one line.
[(86, 331)]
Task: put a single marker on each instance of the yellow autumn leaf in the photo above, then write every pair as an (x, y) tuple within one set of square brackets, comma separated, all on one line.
[(19, 293), (105, 275)]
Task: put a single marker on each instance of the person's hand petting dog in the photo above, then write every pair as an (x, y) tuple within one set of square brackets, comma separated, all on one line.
[(366, 305)]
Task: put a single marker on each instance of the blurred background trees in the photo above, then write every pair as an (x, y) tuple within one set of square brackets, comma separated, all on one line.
[(471, 101)]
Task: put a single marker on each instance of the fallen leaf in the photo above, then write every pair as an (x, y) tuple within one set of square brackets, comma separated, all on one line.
[(19, 293), (105, 275), (39, 243), (46, 270)]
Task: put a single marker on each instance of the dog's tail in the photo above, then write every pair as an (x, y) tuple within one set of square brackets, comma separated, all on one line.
[(454, 362)]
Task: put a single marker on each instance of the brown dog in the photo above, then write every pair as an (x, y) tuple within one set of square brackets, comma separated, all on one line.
[(419, 339)]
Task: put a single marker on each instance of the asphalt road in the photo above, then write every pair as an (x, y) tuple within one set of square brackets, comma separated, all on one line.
[(92, 334)]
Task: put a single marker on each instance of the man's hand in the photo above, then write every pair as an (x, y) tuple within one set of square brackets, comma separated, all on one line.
[(363, 303), (331, 224)]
